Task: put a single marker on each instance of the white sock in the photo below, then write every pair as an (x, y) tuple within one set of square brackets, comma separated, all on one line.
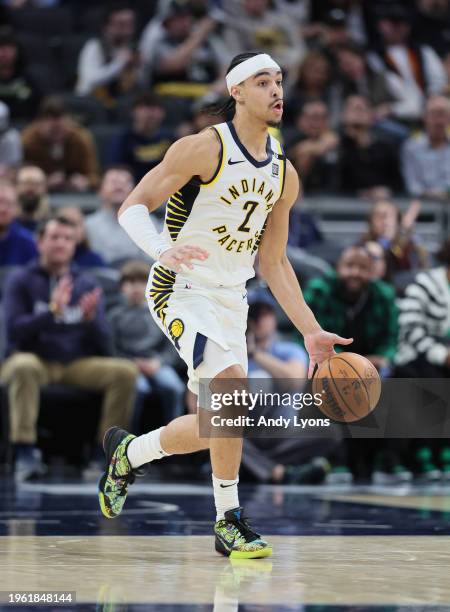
[(225, 495), (146, 448)]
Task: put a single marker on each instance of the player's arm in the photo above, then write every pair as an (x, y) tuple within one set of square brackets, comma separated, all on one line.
[(280, 276), (195, 155)]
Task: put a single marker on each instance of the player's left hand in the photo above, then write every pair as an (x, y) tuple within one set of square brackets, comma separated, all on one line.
[(180, 256), (320, 346)]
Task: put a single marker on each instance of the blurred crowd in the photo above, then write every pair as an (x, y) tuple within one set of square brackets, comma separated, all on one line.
[(91, 99)]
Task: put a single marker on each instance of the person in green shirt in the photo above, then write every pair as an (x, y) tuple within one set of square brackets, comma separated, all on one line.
[(350, 301), (353, 304)]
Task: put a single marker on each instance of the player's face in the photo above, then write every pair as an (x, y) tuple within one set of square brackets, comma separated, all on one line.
[(57, 244), (262, 95), (355, 269)]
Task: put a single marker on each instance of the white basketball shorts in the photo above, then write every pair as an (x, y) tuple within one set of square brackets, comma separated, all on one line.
[(206, 325)]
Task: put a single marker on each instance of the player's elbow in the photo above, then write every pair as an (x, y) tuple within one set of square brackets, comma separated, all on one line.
[(270, 265)]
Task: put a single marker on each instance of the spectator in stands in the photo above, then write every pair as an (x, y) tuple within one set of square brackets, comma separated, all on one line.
[(356, 306), (432, 24), (424, 342), (108, 66), (314, 148), (19, 4), (367, 161), (84, 256), (426, 158), (357, 77), (255, 25), (412, 71), (17, 246), (303, 229), (10, 145), (313, 83), (446, 60), (268, 355), (137, 337), (378, 257), (32, 192), (184, 58), (395, 233), (143, 145), (103, 230), (204, 113), (57, 332), (334, 31), (16, 88), (64, 150)]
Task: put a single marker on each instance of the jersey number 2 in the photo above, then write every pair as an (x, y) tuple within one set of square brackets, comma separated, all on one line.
[(251, 207)]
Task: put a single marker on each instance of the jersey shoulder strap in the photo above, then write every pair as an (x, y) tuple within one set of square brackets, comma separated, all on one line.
[(220, 133), (280, 157)]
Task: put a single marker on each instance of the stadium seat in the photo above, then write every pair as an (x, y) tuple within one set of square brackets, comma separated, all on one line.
[(68, 52), (85, 110), (91, 19), (103, 135), (327, 250), (63, 408), (48, 78), (108, 279), (45, 22), (306, 265), (5, 271), (36, 49)]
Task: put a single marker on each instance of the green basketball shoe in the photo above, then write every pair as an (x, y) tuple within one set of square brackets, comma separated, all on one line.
[(113, 485), (236, 540)]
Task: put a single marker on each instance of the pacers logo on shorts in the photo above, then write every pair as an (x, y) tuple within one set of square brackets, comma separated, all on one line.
[(176, 329)]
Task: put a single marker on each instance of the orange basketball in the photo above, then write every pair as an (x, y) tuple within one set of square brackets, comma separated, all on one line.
[(350, 387)]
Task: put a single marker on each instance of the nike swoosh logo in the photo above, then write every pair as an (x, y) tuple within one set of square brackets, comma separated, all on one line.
[(231, 163), (222, 486)]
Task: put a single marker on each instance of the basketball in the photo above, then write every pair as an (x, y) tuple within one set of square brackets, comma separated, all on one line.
[(350, 386)]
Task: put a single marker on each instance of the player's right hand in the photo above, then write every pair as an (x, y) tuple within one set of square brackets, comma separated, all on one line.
[(182, 256)]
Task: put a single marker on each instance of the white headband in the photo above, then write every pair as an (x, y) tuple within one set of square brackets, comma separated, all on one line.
[(249, 67)]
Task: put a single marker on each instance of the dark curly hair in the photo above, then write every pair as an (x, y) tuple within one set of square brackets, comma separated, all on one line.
[(229, 107)]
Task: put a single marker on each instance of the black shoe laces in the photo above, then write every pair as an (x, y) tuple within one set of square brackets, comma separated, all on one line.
[(128, 479), (245, 529)]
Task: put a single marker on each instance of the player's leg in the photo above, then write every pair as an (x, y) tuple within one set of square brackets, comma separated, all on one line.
[(126, 453), (233, 536)]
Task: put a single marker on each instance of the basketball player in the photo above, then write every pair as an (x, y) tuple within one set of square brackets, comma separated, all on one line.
[(229, 190)]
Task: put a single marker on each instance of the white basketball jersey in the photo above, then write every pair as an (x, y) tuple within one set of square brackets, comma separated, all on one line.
[(227, 216)]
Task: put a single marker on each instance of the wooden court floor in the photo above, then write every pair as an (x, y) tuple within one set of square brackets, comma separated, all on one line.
[(354, 549)]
